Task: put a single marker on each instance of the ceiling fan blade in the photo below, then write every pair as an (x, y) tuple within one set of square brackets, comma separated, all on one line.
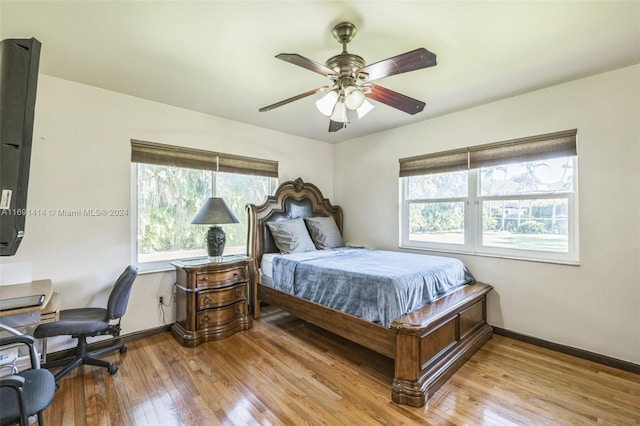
[(294, 98), (410, 61), (334, 126), (395, 99), (301, 61)]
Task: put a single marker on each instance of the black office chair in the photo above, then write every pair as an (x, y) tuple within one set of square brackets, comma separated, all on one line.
[(28, 392), (89, 322)]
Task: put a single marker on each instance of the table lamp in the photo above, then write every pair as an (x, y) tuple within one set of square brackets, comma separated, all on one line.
[(215, 212)]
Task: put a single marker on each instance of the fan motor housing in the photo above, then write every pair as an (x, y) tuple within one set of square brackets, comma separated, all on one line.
[(345, 63)]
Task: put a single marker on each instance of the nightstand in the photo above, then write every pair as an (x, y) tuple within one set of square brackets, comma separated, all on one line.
[(211, 299)]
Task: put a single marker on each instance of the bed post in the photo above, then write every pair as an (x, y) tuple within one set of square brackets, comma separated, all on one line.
[(253, 248)]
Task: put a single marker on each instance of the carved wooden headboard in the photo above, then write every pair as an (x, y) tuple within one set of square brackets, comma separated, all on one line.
[(293, 199)]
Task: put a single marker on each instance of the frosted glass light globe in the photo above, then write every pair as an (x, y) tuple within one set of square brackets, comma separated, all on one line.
[(354, 98), (339, 113), (326, 103)]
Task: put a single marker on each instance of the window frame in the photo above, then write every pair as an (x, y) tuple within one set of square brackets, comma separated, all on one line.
[(473, 214), (154, 154)]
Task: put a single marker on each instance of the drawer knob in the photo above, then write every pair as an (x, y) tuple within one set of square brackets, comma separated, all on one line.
[(207, 300), (206, 278), (238, 292), (206, 319), (237, 310), (235, 274)]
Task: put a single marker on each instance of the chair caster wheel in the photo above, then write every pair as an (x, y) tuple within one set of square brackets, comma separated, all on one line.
[(112, 369), (123, 349)]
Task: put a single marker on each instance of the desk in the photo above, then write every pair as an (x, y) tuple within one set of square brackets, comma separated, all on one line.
[(26, 319), (32, 315)]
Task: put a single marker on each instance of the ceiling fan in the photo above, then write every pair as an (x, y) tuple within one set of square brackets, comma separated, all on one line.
[(351, 80)]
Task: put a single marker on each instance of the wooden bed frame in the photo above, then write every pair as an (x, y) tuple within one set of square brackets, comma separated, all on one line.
[(428, 345)]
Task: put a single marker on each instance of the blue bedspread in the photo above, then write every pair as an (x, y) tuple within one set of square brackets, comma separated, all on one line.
[(375, 285)]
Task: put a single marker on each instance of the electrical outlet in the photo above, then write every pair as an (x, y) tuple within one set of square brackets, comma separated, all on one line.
[(161, 300)]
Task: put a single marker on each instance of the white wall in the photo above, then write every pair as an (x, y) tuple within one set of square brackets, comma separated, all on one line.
[(81, 160), (594, 306)]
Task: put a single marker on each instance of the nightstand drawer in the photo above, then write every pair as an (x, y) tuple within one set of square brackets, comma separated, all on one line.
[(217, 298), (221, 278), (219, 316)]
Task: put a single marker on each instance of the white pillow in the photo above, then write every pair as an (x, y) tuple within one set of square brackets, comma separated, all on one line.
[(291, 236), (324, 232)]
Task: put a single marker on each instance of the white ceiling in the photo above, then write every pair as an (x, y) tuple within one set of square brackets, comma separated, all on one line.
[(217, 57)]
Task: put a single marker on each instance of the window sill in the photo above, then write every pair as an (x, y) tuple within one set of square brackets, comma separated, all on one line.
[(493, 255), (154, 270), (165, 265)]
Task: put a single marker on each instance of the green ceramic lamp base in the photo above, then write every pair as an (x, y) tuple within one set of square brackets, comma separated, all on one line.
[(216, 239)]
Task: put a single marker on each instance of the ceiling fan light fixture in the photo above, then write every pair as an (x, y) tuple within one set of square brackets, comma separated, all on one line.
[(327, 103), (339, 112)]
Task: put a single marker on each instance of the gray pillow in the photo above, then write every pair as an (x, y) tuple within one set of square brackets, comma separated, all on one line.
[(324, 232), (291, 236)]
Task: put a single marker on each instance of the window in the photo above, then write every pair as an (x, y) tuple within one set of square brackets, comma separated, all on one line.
[(170, 184), (513, 199)]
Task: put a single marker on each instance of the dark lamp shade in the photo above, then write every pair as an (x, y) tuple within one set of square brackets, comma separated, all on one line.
[(214, 212)]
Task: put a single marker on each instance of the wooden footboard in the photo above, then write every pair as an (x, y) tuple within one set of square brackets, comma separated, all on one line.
[(434, 341), (428, 345)]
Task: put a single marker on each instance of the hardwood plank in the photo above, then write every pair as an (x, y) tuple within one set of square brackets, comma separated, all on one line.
[(287, 371), (96, 407)]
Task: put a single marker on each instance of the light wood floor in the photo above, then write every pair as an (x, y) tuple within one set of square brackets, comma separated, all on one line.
[(286, 372)]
